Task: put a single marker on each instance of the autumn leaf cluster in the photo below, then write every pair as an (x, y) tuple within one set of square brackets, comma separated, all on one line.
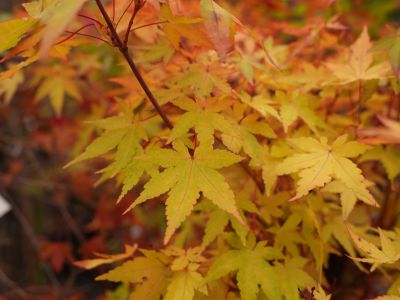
[(267, 155)]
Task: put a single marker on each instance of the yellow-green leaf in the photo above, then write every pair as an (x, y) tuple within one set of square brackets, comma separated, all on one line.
[(12, 31)]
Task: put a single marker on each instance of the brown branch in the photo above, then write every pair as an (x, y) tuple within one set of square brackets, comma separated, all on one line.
[(124, 51)]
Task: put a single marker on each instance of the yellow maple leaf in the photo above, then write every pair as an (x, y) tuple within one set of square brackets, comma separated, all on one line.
[(388, 254), (12, 31), (105, 258), (360, 65), (9, 86), (185, 177), (318, 163)]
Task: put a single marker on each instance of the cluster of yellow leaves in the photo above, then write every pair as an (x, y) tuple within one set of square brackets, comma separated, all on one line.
[(244, 118)]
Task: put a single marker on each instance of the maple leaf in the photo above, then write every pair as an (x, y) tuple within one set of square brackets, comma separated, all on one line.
[(12, 31), (388, 254), (16, 68), (388, 156), (260, 103), (392, 45), (218, 24), (105, 258), (56, 87), (9, 86), (292, 277), (253, 270), (201, 78), (177, 27), (59, 253), (359, 66), (184, 284), (185, 177), (204, 118), (149, 273), (318, 163), (389, 134), (119, 132), (219, 219), (348, 196), (299, 106), (57, 16)]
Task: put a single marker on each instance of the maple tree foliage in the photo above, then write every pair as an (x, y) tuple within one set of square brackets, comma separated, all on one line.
[(223, 154)]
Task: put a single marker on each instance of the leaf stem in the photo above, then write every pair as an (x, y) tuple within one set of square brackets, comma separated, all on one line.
[(91, 18), (73, 33), (149, 24)]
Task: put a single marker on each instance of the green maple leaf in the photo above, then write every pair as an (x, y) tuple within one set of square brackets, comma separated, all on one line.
[(219, 219), (120, 133), (388, 254), (204, 121), (253, 270), (201, 79), (292, 277), (148, 273), (301, 107), (12, 31), (184, 285), (185, 176), (261, 103)]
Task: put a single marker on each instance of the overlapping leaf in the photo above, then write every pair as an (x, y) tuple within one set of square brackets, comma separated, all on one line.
[(253, 270), (318, 163), (185, 177), (360, 66), (388, 254)]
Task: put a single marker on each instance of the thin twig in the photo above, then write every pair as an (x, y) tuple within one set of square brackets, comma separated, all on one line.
[(123, 14), (71, 222), (91, 18), (92, 36), (147, 25), (136, 9), (113, 10), (124, 51), (73, 33)]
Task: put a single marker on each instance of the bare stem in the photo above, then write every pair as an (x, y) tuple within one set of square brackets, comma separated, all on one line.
[(136, 8), (124, 51)]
